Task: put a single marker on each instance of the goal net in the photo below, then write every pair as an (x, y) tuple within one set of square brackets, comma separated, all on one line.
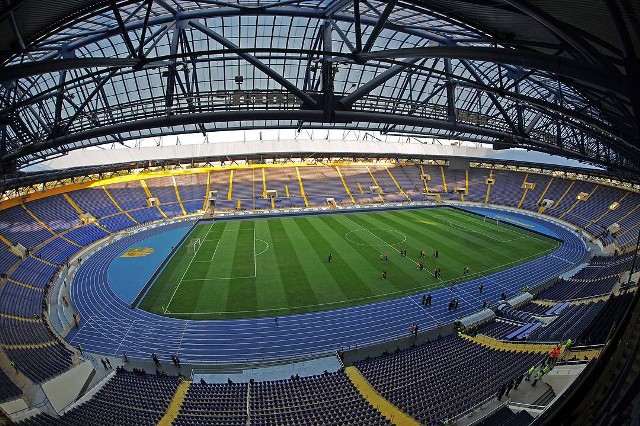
[(193, 246), (494, 220)]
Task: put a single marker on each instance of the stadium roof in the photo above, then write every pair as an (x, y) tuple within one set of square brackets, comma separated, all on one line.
[(296, 148), (547, 75)]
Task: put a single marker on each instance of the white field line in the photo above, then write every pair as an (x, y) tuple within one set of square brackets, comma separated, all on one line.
[(166, 308), (383, 241), (255, 265), (464, 228), (384, 296), (378, 297)]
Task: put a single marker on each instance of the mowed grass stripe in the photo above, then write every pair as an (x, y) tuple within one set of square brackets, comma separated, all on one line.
[(503, 231), (456, 249), (244, 251), (516, 241), (243, 297), (293, 274), (161, 291), (460, 243), (314, 260), (420, 239), (360, 265), (401, 271), (292, 271), (197, 292), (533, 241), (351, 272), (223, 254), (201, 296), (452, 224), (270, 293)]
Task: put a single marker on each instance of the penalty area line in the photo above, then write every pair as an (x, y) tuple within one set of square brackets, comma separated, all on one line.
[(166, 308)]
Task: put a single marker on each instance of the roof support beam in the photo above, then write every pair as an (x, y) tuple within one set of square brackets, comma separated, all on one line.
[(631, 61), (616, 132), (14, 26), (310, 67), (563, 31), (15, 87), (451, 91), (357, 25), (192, 80), (105, 101), (538, 116), (519, 112), (416, 102), (382, 20), (335, 7), (327, 72), (123, 30), (257, 115), (493, 97), (19, 127), (10, 8), (3, 140), (15, 72), (378, 80), (564, 67), (553, 64), (57, 122), (342, 35), (256, 63), (145, 26), (88, 99), (171, 69), (166, 7)]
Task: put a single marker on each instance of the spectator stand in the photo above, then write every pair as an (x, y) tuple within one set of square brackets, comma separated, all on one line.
[(55, 249)]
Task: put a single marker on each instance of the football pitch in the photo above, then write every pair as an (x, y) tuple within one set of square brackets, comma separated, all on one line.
[(279, 266)]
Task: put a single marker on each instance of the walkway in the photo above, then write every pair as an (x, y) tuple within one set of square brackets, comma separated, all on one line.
[(390, 411), (176, 403), (491, 343)]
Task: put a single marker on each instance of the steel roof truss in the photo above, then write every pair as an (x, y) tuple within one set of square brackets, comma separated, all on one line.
[(379, 25), (256, 63)]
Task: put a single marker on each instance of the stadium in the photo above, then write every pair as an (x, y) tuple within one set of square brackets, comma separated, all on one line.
[(319, 212)]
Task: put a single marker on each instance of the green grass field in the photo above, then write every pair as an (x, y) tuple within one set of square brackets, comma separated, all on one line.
[(265, 267)]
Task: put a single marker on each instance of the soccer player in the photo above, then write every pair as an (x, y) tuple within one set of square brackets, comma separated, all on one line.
[(330, 258)]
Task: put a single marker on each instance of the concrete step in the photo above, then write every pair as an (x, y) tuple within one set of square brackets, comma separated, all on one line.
[(545, 398)]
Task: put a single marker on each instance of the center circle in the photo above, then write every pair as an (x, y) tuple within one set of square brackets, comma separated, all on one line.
[(374, 237)]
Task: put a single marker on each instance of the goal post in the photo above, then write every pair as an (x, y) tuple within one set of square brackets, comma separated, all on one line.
[(492, 220), (194, 245)]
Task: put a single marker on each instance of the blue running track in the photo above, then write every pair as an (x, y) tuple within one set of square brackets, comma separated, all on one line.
[(109, 326)]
